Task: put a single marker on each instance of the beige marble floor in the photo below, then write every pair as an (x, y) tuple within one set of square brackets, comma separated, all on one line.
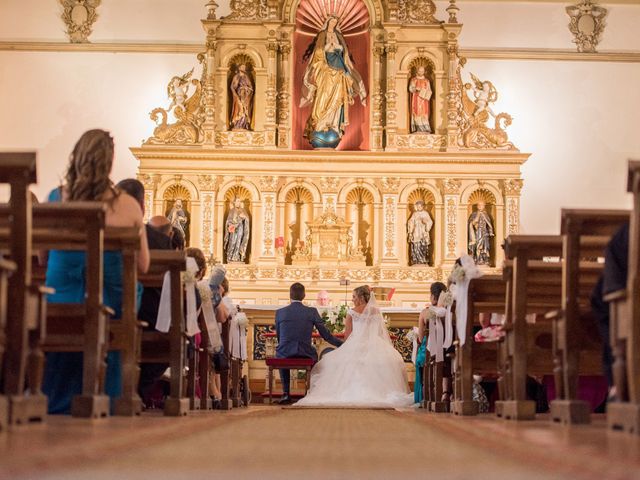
[(263, 442)]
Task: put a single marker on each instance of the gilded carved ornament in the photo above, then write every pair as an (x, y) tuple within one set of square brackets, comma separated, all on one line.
[(211, 7), (512, 186), (389, 184), (79, 17), (586, 25), (248, 10), (329, 184), (474, 111), (186, 108), (449, 186), (416, 11), (209, 182), (452, 10), (270, 183), (150, 182)]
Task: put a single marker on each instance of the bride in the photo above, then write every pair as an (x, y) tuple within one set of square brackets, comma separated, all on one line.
[(366, 371)]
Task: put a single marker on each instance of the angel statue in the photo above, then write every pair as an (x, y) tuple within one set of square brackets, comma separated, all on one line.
[(330, 84), (177, 89), (484, 93), (480, 233), (236, 232)]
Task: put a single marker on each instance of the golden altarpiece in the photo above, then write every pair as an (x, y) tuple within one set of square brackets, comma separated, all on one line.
[(415, 132)]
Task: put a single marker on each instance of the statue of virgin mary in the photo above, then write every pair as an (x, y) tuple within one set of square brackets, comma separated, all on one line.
[(330, 84)]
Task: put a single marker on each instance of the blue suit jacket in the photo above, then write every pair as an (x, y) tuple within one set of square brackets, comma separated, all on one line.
[(294, 326)]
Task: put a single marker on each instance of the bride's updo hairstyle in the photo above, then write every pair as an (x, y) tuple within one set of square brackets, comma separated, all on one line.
[(363, 293)]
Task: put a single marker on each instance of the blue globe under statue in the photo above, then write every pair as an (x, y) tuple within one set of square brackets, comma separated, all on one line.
[(325, 139)]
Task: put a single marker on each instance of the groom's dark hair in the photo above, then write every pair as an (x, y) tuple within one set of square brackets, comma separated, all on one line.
[(296, 291)]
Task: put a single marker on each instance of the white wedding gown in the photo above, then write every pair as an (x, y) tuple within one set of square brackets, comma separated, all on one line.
[(366, 371)]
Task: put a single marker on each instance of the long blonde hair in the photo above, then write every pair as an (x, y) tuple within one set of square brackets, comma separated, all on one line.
[(90, 164)]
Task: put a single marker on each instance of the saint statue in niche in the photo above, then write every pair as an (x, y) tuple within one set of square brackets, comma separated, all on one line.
[(420, 95), (236, 232), (480, 233), (418, 228), (178, 218), (330, 85), (241, 89)]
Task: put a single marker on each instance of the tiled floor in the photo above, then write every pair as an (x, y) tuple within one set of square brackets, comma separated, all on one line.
[(263, 442)]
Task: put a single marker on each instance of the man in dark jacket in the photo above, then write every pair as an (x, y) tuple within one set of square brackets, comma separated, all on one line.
[(294, 328)]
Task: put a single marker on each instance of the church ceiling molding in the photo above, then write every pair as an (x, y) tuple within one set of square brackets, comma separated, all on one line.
[(498, 53)]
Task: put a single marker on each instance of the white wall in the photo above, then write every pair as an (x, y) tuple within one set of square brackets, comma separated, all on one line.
[(578, 119)]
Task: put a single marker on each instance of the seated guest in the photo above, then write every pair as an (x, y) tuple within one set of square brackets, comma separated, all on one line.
[(614, 277), (87, 179), (162, 225), (177, 239), (156, 238), (219, 358), (418, 390)]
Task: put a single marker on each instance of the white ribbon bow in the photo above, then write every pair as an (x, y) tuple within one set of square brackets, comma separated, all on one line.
[(435, 340), (471, 271), (210, 317), (163, 322)]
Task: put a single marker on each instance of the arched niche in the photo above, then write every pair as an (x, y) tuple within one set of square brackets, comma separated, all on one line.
[(241, 193), (298, 210), (476, 198), (359, 210), (413, 97), (427, 197), (177, 207), (234, 65), (375, 8)]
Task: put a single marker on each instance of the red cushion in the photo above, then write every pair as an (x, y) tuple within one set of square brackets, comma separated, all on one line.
[(289, 362)]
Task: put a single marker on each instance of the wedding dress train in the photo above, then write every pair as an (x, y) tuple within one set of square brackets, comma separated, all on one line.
[(366, 371)]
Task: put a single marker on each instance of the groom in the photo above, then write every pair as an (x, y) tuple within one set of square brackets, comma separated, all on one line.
[(294, 326)]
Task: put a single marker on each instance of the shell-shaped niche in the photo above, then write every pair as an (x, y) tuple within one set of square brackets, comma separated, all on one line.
[(298, 211)]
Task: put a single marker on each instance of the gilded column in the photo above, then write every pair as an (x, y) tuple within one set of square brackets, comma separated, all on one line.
[(389, 187), (454, 97), (271, 92), (377, 96), (209, 124), (150, 183), (208, 187), (511, 190), (268, 188), (450, 190), (284, 93), (391, 94)]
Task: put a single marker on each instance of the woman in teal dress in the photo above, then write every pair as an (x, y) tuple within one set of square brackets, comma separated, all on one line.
[(87, 179), (421, 356)]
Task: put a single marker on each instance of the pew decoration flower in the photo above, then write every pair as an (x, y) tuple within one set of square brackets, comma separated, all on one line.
[(446, 299), (411, 334), (242, 319), (204, 291), (469, 271), (333, 318)]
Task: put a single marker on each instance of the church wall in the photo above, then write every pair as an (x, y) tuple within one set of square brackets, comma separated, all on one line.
[(579, 119)]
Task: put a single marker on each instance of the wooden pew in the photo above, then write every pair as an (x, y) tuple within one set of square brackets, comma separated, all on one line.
[(158, 347), (625, 326), (485, 295), (574, 323), (534, 286), (27, 303), (76, 326), (65, 226), (6, 269)]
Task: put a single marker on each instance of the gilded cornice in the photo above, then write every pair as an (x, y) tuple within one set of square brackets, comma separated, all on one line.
[(541, 54), (321, 158)]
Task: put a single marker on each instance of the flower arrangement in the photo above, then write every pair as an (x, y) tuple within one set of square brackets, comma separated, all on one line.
[(242, 319), (334, 318), (457, 274), (446, 299), (411, 334)]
